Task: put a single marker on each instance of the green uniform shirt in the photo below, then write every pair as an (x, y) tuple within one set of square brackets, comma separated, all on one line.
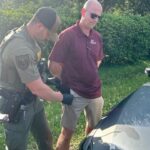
[(19, 60)]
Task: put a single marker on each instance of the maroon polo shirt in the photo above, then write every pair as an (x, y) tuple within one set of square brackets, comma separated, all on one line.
[(79, 54)]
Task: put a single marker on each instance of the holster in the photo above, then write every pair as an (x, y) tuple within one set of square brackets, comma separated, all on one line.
[(11, 101)]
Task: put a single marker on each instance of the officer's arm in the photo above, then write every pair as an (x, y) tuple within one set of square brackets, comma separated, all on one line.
[(40, 89), (55, 68)]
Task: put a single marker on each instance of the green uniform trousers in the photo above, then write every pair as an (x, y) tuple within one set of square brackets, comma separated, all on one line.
[(32, 119)]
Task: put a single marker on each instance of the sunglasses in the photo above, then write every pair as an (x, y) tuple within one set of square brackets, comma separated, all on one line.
[(94, 16)]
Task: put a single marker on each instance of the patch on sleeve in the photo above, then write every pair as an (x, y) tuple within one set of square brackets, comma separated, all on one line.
[(23, 61)]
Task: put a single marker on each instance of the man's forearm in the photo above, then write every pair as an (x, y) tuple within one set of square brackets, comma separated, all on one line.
[(38, 88), (43, 91), (55, 68)]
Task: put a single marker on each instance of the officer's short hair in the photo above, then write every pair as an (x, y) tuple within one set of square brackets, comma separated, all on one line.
[(46, 15)]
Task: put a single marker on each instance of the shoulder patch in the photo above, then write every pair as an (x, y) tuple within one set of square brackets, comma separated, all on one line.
[(22, 61)]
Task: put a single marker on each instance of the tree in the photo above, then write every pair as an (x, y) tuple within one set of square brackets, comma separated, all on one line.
[(141, 7)]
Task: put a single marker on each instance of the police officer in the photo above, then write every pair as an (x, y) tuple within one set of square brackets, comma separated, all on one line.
[(20, 54)]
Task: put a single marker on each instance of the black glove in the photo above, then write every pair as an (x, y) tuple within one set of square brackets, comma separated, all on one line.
[(67, 99)]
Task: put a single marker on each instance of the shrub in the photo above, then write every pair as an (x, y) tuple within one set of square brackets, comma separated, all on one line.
[(10, 19), (126, 38)]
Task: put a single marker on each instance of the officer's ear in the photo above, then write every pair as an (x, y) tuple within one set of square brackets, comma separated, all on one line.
[(83, 11)]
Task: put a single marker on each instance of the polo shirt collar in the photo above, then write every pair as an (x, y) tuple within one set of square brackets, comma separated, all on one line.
[(80, 32)]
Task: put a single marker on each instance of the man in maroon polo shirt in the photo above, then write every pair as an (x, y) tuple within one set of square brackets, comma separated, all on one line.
[(74, 60)]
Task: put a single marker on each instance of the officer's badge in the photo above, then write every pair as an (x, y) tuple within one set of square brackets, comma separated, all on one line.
[(23, 61)]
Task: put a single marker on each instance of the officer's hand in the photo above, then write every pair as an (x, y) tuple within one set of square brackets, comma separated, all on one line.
[(67, 99)]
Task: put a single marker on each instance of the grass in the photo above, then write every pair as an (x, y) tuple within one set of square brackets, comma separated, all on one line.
[(118, 82)]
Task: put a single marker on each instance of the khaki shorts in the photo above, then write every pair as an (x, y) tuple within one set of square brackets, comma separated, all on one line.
[(92, 109)]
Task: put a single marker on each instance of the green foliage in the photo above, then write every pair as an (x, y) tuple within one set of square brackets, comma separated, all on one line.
[(141, 7), (126, 37), (11, 18), (69, 14), (120, 80)]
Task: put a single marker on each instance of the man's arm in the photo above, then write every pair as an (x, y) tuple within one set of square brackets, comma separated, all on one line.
[(55, 68), (38, 88)]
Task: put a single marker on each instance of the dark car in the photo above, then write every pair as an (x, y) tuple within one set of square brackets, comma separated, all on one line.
[(126, 127)]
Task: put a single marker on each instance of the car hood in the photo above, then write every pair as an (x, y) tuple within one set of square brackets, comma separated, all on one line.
[(125, 127), (119, 137)]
